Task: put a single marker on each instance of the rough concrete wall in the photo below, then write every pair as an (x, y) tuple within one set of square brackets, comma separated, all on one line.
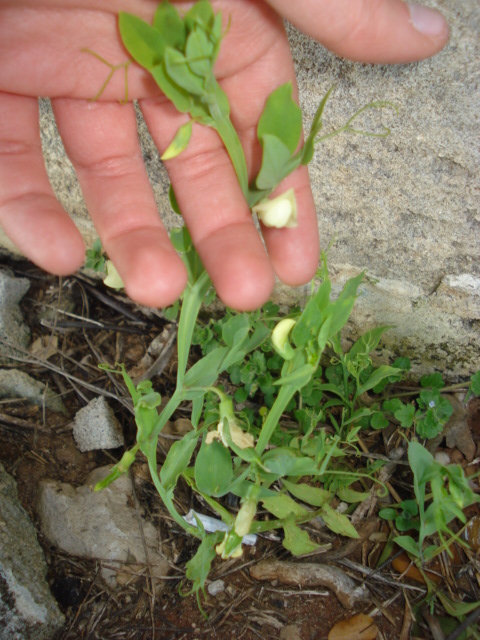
[(405, 208)]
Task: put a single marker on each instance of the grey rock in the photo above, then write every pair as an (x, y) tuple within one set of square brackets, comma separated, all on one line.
[(96, 427), (18, 384), (28, 611), (405, 208), (13, 331), (101, 524)]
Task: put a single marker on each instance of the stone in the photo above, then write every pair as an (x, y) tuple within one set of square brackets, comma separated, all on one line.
[(102, 525), (18, 384), (96, 427), (13, 331), (28, 610), (404, 208)]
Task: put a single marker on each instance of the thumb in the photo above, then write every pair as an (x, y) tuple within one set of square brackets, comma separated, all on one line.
[(376, 31)]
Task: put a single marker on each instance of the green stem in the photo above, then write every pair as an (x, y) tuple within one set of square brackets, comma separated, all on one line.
[(230, 139), (284, 396)]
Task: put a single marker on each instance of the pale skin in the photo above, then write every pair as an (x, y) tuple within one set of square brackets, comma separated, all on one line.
[(41, 54)]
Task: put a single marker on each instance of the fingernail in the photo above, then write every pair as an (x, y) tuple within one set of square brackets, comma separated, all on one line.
[(427, 21)]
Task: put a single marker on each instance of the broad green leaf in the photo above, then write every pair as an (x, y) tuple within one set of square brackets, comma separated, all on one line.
[(179, 72), (306, 493), (379, 421), (199, 51), (421, 462), (388, 513), (236, 329), (275, 161), (338, 522), (179, 142), (204, 373), (284, 462), (281, 506), (433, 381), (142, 41), (178, 459), (170, 25), (346, 494), (181, 99), (409, 544), (384, 371), (296, 540), (404, 413), (310, 321), (281, 118), (213, 469)]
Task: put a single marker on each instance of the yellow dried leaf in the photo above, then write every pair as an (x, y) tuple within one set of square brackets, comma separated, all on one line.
[(360, 627)]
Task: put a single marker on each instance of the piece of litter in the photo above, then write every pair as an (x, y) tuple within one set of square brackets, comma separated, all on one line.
[(216, 587), (213, 524)]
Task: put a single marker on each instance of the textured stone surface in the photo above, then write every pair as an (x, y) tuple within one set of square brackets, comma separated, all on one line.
[(12, 328), (18, 384), (27, 608), (95, 427), (405, 208), (103, 524)]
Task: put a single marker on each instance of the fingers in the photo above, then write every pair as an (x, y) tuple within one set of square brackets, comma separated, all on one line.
[(29, 212), (102, 143), (215, 211), (384, 31)]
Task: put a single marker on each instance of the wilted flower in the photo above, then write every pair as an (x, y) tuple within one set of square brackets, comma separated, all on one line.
[(245, 517), (280, 212), (113, 278), (239, 437)]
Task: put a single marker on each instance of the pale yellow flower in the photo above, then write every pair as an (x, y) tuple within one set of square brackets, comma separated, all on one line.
[(279, 212)]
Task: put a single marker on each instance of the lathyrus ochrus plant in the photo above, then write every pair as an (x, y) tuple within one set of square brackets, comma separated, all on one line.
[(230, 457)]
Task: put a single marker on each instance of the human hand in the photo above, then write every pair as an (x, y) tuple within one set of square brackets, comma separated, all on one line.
[(41, 51)]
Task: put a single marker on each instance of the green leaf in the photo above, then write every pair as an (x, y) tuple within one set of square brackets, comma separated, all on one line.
[(178, 459), (306, 493), (388, 513), (281, 506), (179, 142), (181, 99), (367, 343), (338, 522), (409, 544), (276, 163), (170, 26), (236, 329), (205, 372), (199, 52), (179, 72), (421, 462), (284, 462), (346, 494), (309, 147), (296, 540), (213, 469), (297, 378), (198, 568), (200, 14), (475, 384), (404, 413), (384, 371), (281, 118), (142, 41), (433, 381), (379, 421)]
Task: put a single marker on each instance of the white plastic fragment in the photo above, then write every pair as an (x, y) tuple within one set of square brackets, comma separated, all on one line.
[(213, 524)]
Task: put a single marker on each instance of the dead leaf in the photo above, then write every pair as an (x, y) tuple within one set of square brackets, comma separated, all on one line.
[(360, 627), (457, 432), (44, 347)]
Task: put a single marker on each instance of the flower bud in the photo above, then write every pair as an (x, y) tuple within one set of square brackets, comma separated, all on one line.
[(280, 340)]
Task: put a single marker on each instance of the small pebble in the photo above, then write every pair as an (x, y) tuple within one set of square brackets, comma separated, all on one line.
[(216, 587)]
